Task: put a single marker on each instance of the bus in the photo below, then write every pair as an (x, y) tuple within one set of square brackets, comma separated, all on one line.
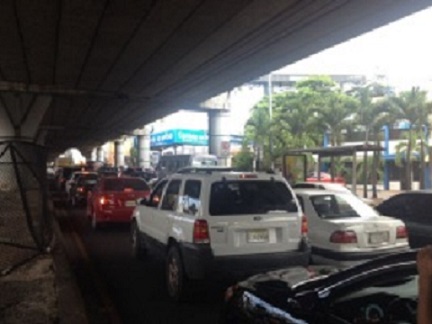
[(171, 163)]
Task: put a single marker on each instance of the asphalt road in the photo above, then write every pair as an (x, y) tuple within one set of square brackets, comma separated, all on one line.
[(119, 289)]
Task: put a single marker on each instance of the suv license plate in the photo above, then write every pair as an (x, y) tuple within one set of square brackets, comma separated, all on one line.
[(378, 237), (258, 236), (130, 203)]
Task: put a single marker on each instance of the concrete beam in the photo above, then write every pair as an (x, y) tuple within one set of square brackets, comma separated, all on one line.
[(6, 125), (30, 124)]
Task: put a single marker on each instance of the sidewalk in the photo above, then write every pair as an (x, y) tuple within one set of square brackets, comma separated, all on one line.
[(43, 290), (382, 195)]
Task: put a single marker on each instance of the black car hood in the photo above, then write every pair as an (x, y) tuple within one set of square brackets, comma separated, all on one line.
[(278, 286)]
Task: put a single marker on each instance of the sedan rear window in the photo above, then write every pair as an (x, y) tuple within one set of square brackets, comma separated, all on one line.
[(250, 197), (341, 205), (118, 184)]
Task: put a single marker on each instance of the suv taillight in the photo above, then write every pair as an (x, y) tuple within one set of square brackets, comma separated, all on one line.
[(200, 232), (343, 237), (401, 232), (304, 225)]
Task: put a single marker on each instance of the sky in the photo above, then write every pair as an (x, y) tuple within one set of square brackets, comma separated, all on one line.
[(401, 50)]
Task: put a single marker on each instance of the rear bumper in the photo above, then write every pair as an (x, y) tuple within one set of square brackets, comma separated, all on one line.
[(200, 262), (355, 256), (120, 215)]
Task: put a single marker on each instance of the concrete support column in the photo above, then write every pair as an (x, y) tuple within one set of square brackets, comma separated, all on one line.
[(118, 153), (218, 135), (93, 155), (23, 171), (100, 154), (88, 154), (143, 147)]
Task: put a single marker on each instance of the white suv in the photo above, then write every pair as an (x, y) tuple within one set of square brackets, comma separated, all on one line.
[(211, 220)]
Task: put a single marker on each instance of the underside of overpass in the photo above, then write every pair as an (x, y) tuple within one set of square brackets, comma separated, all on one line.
[(77, 73)]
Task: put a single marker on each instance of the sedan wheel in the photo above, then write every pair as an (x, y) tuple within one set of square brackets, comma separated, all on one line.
[(94, 222), (73, 201)]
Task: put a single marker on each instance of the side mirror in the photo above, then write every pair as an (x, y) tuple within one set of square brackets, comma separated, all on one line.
[(143, 201)]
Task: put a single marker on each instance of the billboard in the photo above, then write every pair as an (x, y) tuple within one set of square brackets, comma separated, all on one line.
[(179, 137)]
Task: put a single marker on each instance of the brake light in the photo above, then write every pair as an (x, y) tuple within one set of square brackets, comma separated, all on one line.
[(106, 201), (401, 232), (343, 237), (200, 232), (304, 225)]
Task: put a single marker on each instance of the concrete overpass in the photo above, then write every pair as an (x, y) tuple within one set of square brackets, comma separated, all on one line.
[(79, 73)]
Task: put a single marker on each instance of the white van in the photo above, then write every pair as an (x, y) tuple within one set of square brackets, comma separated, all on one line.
[(169, 164)]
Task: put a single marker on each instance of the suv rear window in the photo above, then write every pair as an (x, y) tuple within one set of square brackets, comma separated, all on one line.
[(67, 172), (250, 197), (119, 184)]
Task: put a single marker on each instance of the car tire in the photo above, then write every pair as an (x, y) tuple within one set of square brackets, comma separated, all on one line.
[(176, 280), (73, 201), (89, 211), (94, 222), (139, 250)]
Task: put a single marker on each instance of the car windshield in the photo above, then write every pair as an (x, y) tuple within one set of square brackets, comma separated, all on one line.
[(86, 179), (250, 197), (341, 205), (120, 184)]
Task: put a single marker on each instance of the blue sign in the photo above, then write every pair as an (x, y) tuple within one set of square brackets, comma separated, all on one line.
[(179, 137)]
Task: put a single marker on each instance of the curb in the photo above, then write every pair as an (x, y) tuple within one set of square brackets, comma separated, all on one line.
[(71, 307)]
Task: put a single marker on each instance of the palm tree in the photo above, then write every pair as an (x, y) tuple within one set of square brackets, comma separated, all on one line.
[(257, 130), (335, 116), (372, 116), (293, 121), (382, 118), (410, 106)]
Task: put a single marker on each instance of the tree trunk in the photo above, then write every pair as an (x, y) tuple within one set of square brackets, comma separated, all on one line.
[(408, 178), (422, 164), (332, 161), (375, 163), (430, 165), (365, 167)]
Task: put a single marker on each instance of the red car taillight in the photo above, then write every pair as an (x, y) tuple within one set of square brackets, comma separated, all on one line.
[(343, 237), (401, 232), (304, 225), (104, 201), (201, 233)]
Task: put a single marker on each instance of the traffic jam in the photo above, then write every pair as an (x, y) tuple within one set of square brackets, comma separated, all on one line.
[(313, 252)]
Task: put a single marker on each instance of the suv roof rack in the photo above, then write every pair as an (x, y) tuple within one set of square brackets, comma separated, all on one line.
[(207, 170)]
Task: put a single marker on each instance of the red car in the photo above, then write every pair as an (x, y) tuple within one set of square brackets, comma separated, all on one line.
[(113, 200), (325, 177)]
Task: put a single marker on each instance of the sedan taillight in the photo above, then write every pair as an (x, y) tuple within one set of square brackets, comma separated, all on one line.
[(343, 237), (104, 200), (401, 232)]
